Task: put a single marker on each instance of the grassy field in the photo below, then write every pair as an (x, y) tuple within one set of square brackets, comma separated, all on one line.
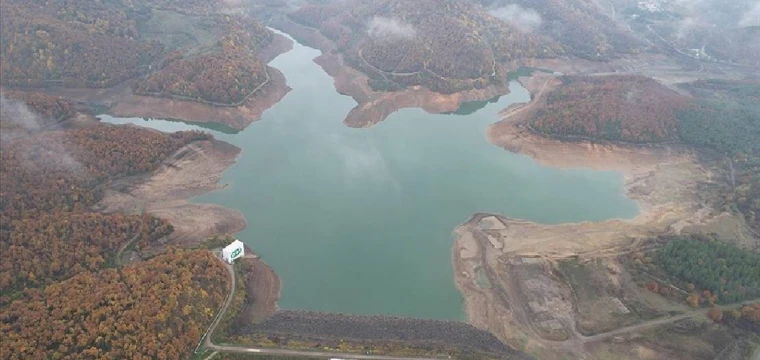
[(689, 339), (607, 298)]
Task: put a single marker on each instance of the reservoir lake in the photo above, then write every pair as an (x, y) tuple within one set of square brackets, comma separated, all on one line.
[(360, 221)]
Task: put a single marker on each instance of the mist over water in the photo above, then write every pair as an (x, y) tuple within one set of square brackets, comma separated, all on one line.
[(360, 220)]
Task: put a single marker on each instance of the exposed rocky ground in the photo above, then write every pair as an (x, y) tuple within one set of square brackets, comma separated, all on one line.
[(326, 328)]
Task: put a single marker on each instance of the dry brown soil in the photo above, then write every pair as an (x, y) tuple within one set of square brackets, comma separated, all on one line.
[(262, 287), (192, 170)]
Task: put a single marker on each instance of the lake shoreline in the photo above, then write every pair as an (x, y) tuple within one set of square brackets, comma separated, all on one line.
[(194, 169), (375, 106), (660, 211), (122, 102), (664, 180)]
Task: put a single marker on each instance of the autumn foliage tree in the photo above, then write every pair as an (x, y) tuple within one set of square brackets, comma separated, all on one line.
[(226, 74), (82, 43), (61, 295), (693, 300), (57, 246), (620, 108), (447, 46), (715, 314), (76, 43), (751, 312), (156, 309)]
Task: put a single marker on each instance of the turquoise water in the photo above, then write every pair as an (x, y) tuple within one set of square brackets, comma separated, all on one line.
[(360, 220)]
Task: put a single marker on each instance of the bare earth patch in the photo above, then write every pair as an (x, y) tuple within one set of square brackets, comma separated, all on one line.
[(531, 311), (192, 170), (262, 286)]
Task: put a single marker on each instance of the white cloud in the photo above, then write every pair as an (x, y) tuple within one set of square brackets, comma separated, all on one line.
[(56, 156), (382, 27), (524, 19)]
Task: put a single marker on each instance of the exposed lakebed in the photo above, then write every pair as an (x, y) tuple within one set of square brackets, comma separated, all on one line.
[(360, 220)]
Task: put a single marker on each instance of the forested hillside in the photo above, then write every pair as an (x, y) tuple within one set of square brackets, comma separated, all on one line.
[(227, 74), (446, 46), (578, 25), (157, 309), (61, 293), (723, 116), (619, 108), (45, 107), (726, 118), (65, 170), (79, 43), (41, 111)]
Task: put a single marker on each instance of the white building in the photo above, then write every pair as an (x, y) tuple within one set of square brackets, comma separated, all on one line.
[(233, 251)]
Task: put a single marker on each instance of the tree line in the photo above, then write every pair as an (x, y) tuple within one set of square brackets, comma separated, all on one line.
[(726, 118), (713, 268), (629, 108)]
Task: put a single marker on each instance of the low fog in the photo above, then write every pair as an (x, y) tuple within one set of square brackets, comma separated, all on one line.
[(51, 155), (751, 17), (382, 27), (740, 13), (16, 113), (524, 19)]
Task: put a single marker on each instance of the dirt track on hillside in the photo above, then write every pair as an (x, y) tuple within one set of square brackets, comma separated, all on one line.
[(123, 103), (193, 170), (374, 106)]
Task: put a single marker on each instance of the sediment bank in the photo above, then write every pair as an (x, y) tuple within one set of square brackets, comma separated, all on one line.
[(666, 181), (374, 106), (192, 170)]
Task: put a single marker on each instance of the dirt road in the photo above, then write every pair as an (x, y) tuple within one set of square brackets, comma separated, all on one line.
[(325, 354), (207, 337), (119, 253), (657, 322), (536, 96)]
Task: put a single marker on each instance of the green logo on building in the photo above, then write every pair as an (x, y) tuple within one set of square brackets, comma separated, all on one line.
[(236, 253)]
